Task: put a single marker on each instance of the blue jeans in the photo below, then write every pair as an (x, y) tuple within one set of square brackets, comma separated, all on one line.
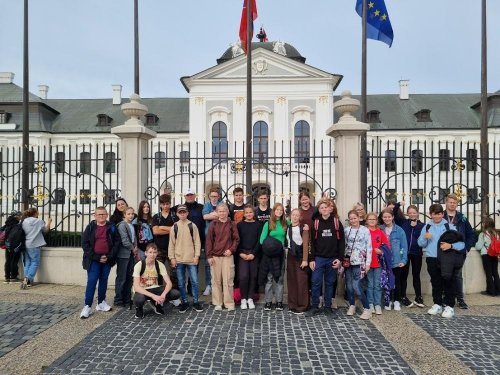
[(354, 285), (97, 272), (123, 282), (181, 279), (208, 276), (31, 261), (323, 269), (374, 291)]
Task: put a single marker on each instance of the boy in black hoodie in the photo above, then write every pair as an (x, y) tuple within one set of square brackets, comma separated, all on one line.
[(327, 251)]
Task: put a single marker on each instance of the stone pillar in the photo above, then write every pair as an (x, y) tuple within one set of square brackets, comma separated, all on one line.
[(347, 133), (134, 148)]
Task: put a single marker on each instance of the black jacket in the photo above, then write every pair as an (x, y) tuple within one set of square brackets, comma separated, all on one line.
[(88, 242), (326, 240)]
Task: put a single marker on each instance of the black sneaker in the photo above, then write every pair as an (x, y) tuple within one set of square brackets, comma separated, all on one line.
[(419, 301), (159, 309), (405, 301), (184, 307), (279, 306), (313, 311), (328, 311), (197, 307), (139, 312), (268, 306), (462, 304)]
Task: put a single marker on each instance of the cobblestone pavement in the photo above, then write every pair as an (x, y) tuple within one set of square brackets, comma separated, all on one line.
[(475, 340), (241, 342), (20, 322)]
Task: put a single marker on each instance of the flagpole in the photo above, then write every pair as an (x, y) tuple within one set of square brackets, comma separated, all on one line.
[(364, 185), (484, 115), (26, 124), (248, 175), (136, 47)]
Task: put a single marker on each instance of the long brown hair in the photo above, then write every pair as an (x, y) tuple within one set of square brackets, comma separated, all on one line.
[(489, 227), (273, 219), (140, 212), (30, 212)]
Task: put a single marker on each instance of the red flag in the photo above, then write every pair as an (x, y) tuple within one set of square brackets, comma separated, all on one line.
[(243, 23)]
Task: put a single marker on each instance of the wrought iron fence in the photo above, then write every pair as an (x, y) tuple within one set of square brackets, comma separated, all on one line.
[(66, 182), (424, 172), (175, 166)]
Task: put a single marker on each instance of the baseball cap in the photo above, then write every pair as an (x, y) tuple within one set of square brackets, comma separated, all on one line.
[(181, 207), (189, 191)]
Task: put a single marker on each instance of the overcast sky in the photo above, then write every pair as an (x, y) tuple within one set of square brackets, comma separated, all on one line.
[(81, 47)]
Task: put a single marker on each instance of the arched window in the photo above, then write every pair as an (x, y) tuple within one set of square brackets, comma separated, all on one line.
[(301, 137), (219, 141), (260, 142)]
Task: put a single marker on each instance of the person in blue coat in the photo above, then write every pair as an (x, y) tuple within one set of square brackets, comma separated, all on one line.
[(399, 247)]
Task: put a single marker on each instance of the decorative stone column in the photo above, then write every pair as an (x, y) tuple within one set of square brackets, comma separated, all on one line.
[(134, 149), (347, 133)]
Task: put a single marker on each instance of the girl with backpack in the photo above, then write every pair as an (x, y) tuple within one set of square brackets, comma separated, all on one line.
[(11, 256), (357, 260), (485, 242), (272, 268), (143, 228), (399, 247), (33, 228), (297, 263), (374, 289)]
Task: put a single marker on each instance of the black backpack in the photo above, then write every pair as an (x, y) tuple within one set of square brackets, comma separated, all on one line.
[(16, 240), (157, 266)]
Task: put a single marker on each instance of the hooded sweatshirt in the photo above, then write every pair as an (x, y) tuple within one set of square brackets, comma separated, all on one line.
[(33, 229), (324, 242), (436, 230)]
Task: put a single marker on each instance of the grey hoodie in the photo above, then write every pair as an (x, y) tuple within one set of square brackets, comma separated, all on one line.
[(33, 228)]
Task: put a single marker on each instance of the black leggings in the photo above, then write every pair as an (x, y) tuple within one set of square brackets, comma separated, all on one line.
[(247, 276), (416, 267)]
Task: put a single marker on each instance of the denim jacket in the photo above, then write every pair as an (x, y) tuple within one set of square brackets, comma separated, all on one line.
[(399, 245)]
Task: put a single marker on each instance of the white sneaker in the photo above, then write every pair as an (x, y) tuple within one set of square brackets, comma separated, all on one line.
[(86, 312), (230, 308), (207, 290), (388, 307), (367, 314), (435, 310), (448, 312), (103, 306), (251, 305), (378, 310), (372, 308), (351, 310), (244, 304), (218, 308), (175, 302), (397, 306)]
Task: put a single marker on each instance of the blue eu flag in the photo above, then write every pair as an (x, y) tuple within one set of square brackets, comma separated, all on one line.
[(378, 23)]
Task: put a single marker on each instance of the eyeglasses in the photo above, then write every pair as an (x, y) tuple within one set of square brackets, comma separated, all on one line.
[(101, 214)]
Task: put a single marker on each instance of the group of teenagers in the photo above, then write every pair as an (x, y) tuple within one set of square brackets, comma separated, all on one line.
[(158, 256)]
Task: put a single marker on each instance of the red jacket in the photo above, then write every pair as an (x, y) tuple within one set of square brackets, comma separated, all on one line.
[(220, 237)]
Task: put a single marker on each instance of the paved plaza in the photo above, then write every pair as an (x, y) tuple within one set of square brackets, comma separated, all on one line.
[(41, 333)]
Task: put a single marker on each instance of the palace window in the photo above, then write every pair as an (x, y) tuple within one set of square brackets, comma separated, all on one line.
[(424, 115), (260, 142), (104, 120), (59, 163), (302, 141), (417, 161), (84, 196), (160, 159), (417, 196), (85, 163), (390, 160), (109, 196), (109, 162), (184, 156), (471, 156), (373, 117), (444, 160), (4, 117), (219, 141), (151, 119), (58, 196)]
